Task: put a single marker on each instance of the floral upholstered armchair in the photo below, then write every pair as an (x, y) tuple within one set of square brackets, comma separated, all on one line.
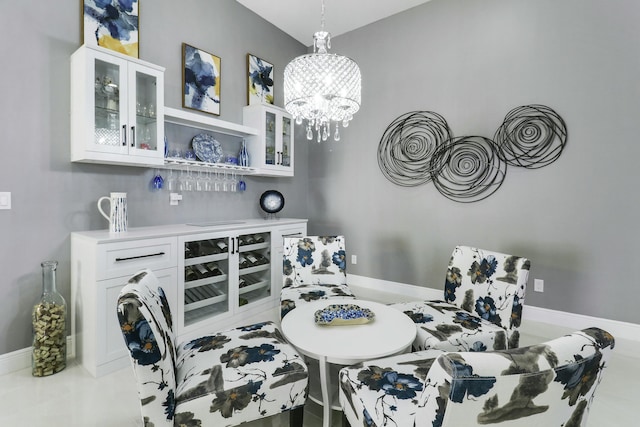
[(223, 379), (548, 384), (482, 307), (314, 267)]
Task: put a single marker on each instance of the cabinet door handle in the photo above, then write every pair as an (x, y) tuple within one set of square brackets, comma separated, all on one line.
[(124, 135), (138, 257), (279, 158), (133, 136)]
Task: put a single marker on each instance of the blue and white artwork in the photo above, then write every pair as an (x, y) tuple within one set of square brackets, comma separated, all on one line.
[(201, 80), (260, 80), (112, 24)]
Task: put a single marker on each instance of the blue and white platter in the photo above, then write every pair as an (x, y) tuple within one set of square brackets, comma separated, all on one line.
[(343, 314), (207, 149)]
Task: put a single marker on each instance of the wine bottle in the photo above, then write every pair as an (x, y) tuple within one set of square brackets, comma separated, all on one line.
[(243, 262), (242, 283), (213, 268), (201, 270), (259, 238), (222, 245), (251, 257), (249, 240), (190, 274)]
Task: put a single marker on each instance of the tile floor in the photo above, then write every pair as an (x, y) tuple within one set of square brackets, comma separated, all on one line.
[(74, 398)]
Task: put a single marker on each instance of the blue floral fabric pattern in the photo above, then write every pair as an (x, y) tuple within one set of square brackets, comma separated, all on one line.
[(552, 383), (223, 379), (483, 299), (314, 268)]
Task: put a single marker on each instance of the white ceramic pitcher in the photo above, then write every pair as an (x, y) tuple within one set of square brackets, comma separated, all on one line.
[(118, 211)]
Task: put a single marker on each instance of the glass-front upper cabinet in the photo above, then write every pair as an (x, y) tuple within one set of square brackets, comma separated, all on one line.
[(271, 151), (117, 108)]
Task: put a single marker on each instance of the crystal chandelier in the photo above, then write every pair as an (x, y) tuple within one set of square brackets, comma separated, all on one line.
[(321, 87)]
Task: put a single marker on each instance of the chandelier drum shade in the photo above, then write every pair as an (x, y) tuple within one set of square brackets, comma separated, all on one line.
[(321, 87)]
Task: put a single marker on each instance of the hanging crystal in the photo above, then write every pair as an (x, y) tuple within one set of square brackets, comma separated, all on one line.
[(321, 87)]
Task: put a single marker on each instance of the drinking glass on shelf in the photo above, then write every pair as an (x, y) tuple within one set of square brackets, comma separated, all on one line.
[(189, 155)]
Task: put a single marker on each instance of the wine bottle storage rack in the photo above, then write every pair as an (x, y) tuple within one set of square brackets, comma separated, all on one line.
[(255, 286), (206, 281), (202, 296), (254, 247), (257, 268), (205, 259)]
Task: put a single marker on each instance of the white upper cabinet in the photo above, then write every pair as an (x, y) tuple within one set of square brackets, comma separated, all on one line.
[(117, 109), (271, 151)]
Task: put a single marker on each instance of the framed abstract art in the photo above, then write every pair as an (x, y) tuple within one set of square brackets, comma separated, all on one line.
[(112, 24), (260, 78), (200, 80)]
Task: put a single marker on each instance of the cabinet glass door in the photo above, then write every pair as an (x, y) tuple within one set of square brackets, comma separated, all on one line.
[(206, 279), (146, 111), (107, 104), (254, 263), (286, 141), (270, 138)]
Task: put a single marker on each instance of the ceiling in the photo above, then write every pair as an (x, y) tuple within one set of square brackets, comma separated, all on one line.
[(301, 18)]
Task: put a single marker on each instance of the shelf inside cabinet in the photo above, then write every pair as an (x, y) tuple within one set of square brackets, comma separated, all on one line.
[(205, 259), (203, 282), (250, 270), (254, 247), (253, 287), (202, 296)]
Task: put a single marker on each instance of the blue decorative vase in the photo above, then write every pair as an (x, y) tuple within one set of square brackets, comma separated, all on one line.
[(243, 155)]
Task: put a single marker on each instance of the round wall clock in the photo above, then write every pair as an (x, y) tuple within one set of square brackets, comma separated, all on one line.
[(272, 201)]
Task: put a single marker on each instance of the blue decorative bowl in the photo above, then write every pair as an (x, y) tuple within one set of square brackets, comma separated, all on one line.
[(343, 314)]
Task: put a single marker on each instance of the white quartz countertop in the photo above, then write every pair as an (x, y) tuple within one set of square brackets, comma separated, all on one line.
[(135, 233)]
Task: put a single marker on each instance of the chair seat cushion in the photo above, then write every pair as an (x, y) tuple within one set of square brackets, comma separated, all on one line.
[(238, 375), (444, 326), (384, 392), (292, 296)]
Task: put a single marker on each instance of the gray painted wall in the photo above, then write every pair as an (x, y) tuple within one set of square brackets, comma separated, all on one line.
[(472, 62), (52, 197), (467, 60)]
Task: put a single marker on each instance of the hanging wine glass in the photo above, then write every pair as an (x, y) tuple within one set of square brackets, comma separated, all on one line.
[(158, 181)]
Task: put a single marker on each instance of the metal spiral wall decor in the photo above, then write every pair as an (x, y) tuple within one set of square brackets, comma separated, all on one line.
[(407, 145), (419, 147), (531, 136), (468, 168)]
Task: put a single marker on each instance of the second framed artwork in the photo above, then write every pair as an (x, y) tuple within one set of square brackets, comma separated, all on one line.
[(260, 79), (200, 80)]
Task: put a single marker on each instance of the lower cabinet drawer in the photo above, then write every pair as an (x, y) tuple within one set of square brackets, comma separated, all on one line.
[(126, 258)]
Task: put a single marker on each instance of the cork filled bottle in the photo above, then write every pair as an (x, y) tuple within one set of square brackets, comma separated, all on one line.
[(49, 332)]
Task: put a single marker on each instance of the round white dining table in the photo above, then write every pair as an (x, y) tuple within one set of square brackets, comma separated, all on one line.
[(390, 332)]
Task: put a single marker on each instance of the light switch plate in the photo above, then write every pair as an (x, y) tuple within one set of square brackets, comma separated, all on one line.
[(5, 200)]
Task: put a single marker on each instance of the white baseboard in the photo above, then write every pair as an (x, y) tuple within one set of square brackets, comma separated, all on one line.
[(21, 359), (620, 330)]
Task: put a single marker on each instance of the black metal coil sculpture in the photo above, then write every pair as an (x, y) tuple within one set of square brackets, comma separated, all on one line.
[(531, 136), (468, 169), (407, 145)]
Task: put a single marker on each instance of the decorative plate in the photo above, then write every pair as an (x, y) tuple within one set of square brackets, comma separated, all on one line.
[(272, 201), (343, 314), (207, 149)]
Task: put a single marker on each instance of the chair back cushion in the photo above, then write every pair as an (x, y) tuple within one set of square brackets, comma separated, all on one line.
[(314, 260), (146, 324), (490, 284), (540, 385)]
